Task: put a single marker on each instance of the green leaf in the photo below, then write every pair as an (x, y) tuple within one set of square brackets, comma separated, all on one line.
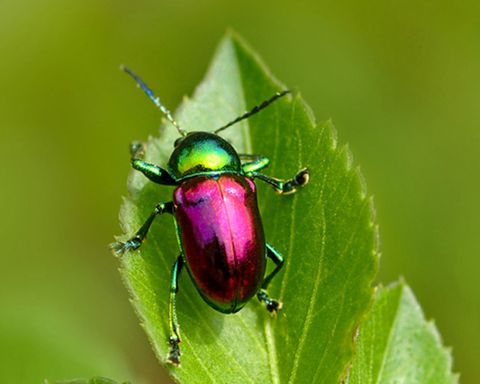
[(325, 231), (397, 345), (93, 380)]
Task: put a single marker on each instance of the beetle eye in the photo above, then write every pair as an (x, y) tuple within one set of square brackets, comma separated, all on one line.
[(176, 142)]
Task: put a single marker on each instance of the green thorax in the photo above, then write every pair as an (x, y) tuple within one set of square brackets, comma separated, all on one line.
[(203, 152)]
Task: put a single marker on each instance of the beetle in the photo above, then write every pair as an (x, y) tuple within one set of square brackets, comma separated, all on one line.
[(218, 224)]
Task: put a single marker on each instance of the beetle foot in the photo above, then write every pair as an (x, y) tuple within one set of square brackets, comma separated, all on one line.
[(272, 305), (174, 353), (302, 177), (299, 180), (287, 189), (119, 247), (136, 149)]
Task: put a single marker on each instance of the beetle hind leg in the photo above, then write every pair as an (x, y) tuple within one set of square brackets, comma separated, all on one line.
[(272, 305), (174, 338)]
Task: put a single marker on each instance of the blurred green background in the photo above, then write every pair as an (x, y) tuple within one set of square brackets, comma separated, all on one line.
[(401, 81)]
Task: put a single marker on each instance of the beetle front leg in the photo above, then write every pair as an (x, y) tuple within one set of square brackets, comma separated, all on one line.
[(253, 163), (153, 172), (271, 304), (174, 339), (136, 241), (282, 186)]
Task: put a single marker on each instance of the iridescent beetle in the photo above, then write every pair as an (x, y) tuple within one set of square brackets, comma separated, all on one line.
[(219, 228)]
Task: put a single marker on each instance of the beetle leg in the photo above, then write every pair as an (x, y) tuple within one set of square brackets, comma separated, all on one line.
[(282, 186), (271, 304), (254, 162), (174, 339), (153, 172), (136, 241)]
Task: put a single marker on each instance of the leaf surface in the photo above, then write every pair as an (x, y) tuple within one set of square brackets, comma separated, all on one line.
[(325, 231), (93, 380), (397, 345)]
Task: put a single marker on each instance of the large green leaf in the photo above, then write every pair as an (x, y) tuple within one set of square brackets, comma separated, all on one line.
[(326, 233), (397, 345), (93, 380)]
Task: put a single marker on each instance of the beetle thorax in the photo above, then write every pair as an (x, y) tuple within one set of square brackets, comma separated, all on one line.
[(202, 152)]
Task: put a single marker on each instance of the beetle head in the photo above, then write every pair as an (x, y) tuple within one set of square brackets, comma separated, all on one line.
[(202, 152)]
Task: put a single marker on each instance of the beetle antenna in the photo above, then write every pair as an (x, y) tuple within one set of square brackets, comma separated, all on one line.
[(155, 99), (255, 109)]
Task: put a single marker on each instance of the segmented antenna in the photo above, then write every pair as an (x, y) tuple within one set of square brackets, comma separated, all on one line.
[(255, 109), (154, 98)]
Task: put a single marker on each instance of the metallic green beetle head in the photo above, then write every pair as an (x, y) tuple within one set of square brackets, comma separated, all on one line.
[(202, 152)]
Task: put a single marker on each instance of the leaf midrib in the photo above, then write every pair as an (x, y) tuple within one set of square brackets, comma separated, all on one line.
[(389, 339), (271, 350)]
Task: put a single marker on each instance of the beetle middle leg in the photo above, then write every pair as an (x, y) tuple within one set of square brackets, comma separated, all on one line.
[(283, 186), (174, 339), (136, 241), (262, 295)]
